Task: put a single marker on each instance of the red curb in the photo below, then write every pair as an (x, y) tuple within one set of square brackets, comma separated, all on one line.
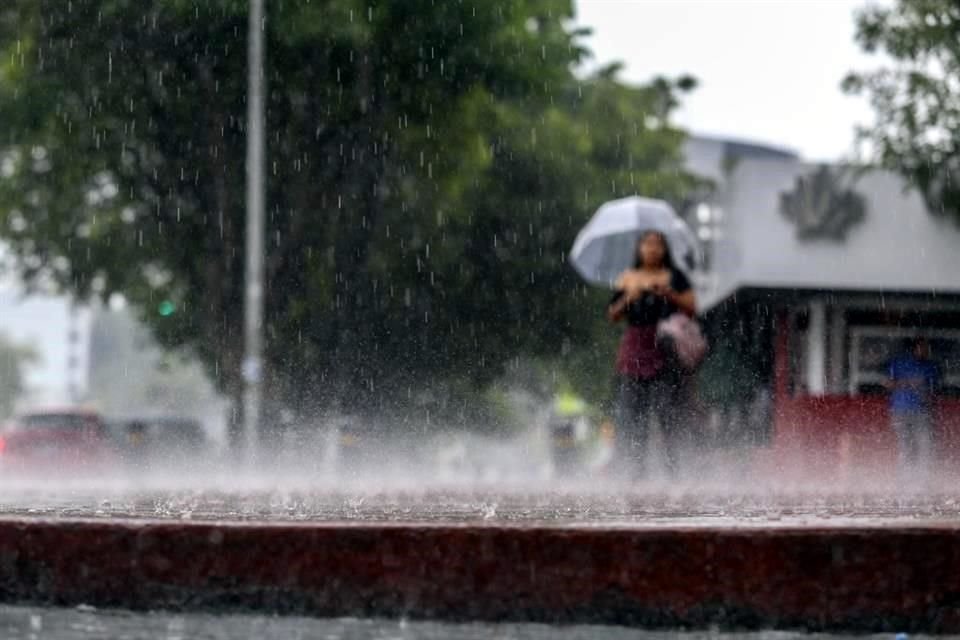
[(865, 579)]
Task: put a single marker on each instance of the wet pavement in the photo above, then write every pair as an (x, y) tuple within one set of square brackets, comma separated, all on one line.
[(86, 623), (554, 505)]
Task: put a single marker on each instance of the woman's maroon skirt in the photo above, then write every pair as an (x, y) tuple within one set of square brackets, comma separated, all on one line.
[(638, 356)]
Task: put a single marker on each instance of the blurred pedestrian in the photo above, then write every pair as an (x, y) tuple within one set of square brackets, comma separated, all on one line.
[(136, 446), (650, 382), (913, 379)]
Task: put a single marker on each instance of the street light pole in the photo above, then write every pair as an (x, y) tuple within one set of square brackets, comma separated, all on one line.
[(252, 369)]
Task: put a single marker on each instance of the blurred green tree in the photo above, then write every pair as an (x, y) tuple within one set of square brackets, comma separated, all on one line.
[(915, 95), (429, 165)]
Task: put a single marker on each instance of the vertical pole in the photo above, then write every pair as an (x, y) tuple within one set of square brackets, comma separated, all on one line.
[(253, 299), (838, 359), (73, 349), (781, 374), (817, 348)]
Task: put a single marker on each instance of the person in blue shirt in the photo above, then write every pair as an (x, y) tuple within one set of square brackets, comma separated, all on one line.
[(913, 380)]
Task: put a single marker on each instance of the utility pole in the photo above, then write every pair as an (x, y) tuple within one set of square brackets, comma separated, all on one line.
[(73, 352), (252, 369)]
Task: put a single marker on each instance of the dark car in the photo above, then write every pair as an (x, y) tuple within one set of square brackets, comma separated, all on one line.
[(56, 440)]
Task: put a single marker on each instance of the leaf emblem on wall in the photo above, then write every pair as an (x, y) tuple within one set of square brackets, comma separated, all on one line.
[(823, 205)]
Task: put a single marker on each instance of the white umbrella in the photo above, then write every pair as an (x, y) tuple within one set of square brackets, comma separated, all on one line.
[(607, 245)]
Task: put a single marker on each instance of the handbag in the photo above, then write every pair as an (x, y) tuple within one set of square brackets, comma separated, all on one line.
[(680, 336)]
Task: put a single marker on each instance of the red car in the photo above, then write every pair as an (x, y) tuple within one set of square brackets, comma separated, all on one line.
[(55, 440)]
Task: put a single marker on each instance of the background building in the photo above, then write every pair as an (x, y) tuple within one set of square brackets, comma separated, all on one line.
[(816, 275)]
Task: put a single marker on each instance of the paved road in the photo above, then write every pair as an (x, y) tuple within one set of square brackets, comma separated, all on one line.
[(35, 623)]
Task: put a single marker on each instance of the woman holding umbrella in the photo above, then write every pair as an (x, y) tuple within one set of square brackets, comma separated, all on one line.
[(650, 381)]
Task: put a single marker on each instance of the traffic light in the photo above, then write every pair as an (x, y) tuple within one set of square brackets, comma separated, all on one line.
[(166, 308)]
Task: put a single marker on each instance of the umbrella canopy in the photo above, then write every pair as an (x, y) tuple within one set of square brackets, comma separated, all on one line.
[(606, 246)]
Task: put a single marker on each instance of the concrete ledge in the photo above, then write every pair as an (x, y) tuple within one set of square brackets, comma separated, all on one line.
[(863, 579)]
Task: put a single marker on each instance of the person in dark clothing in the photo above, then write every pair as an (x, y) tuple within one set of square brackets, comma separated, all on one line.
[(650, 384), (913, 380)]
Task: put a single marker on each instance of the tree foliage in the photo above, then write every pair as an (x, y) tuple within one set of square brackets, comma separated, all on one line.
[(429, 165), (916, 96)]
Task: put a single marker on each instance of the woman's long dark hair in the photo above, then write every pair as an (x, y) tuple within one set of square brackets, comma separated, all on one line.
[(667, 256)]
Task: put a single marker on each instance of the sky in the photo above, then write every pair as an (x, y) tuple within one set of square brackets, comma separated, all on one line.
[(769, 70)]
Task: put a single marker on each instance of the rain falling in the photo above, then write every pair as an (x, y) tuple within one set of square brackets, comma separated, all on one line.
[(410, 318)]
